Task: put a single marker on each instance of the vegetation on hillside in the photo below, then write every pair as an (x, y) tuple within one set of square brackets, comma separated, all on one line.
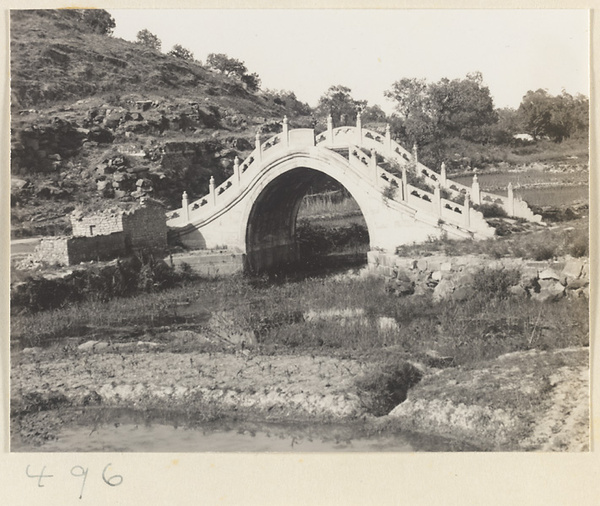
[(97, 119)]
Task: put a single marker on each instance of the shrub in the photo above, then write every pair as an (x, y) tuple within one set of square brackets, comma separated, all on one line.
[(542, 252), (148, 39), (141, 273), (390, 192), (491, 210), (579, 247), (181, 52), (98, 20), (385, 386), (494, 283)]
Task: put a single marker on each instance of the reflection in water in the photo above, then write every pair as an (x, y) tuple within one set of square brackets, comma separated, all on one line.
[(135, 434)]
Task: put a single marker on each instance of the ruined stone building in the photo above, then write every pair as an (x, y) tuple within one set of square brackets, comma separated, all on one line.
[(108, 234)]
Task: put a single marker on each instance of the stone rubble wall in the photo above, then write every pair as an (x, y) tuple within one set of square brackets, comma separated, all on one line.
[(74, 250), (102, 223), (146, 227), (449, 277), (53, 250)]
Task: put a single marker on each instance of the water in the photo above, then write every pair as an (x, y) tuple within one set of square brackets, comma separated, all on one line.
[(566, 189), (232, 436)]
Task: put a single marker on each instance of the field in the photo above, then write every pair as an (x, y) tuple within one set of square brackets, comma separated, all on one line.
[(325, 343)]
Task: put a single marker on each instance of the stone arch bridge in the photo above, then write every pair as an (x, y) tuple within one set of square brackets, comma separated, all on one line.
[(254, 211)]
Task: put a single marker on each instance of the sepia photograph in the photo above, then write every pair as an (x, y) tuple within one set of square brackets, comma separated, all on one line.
[(299, 230)]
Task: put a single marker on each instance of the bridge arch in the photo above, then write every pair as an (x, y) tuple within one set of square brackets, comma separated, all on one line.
[(254, 211), (268, 222)]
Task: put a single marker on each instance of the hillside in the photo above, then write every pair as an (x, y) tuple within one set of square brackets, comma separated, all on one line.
[(97, 120)]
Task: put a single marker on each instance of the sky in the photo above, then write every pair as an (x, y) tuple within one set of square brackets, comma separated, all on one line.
[(307, 51)]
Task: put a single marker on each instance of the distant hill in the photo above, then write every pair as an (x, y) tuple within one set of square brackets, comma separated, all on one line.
[(96, 119)]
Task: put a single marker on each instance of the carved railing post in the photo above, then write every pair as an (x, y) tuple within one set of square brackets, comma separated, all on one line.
[(415, 156), (358, 129), (185, 206), (373, 164), (511, 200), (388, 138), (437, 197), (467, 211), (236, 168), (404, 184), (330, 129), (443, 174), (475, 191), (211, 190), (258, 147), (285, 133)]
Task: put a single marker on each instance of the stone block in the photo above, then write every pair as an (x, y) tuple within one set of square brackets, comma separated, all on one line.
[(576, 284), (422, 264), (443, 290), (550, 290), (446, 266), (548, 274), (572, 269)]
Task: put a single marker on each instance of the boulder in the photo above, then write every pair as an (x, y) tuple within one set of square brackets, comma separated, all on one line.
[(572, 269), (101, 185), (422, 264), (578, 283), (400, 287), (100, 135), (550, 290), (585, 271), (517, 291), (548, 274), (443, 290)]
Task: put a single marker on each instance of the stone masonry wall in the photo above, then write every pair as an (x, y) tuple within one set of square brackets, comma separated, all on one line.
[(53, 250), (97, 224), (74, 250), (146, 227)]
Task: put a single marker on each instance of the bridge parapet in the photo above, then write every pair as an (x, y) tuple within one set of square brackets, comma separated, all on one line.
[(363, 146)]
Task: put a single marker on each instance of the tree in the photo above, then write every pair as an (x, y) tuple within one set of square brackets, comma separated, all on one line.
[(223, 63), (252, 81), (338, 102), (288, 99), (179, 51), (410, 96), (373, 113), (557, 117), (461, 107), (98, 20), (509, 124), (148, 39)]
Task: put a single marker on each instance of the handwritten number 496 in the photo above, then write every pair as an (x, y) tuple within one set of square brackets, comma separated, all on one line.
[(79, 472)]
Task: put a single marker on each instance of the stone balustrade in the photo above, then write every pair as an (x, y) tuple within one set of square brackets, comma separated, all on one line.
[(363, 146)]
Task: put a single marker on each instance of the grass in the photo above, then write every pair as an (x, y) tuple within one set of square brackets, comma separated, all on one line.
[(484, 326), (329, 204)]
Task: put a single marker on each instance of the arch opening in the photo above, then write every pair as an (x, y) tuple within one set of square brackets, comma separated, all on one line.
[(283, 230)]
